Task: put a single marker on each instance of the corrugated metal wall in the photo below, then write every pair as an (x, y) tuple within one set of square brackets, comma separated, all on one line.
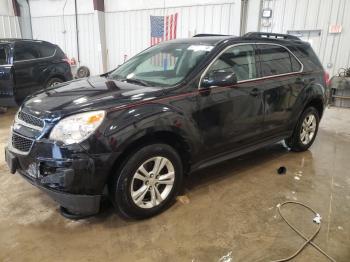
[(57, 29), (127, 26), (128, 32), (9, 27), (61, 30), (293, 15)]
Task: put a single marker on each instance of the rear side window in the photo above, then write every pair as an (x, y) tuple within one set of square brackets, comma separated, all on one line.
[(25, 52), (276, 60), (4, 54), (46, 50), (238, 59)]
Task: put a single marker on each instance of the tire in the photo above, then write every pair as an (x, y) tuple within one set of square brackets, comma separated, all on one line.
[(142, 198), (82, 72), (53, 81), (302, 139)]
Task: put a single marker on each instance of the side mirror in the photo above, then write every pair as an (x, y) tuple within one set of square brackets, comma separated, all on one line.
[(219, 78)]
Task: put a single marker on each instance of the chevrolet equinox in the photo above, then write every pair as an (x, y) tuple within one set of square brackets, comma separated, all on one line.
[(177, 107)]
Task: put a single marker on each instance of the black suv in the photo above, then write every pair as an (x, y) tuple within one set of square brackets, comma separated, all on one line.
[(174, 108), (27, 66)]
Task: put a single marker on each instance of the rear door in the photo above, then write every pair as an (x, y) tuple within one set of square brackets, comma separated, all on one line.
[(45, 66), (281, 83), (25, 61), (6, 79)]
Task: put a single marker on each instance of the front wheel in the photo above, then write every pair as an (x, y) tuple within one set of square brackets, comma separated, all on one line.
[(148, 181), (305, 132)]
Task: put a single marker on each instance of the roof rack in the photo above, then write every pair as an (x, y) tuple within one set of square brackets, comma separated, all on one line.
[(270, 35), (204, 35)]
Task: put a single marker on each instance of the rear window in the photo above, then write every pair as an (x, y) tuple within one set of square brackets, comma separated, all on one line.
[(46, 50), (4, 54), (308, 57), (276, 60)]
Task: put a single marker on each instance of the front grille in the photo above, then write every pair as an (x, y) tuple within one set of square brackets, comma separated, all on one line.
[(30, 119), (21, 143)]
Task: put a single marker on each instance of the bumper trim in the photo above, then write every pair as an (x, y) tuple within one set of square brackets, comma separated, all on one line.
[(74, 203)]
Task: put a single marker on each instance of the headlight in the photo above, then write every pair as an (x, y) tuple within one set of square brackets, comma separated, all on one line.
[(76, 128)]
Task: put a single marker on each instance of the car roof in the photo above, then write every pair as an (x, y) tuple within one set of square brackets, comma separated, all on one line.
[(19, 40)]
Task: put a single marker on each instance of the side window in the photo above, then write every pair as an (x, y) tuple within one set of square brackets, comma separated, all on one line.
[(46, 50), (4, 54), (25, 52), (238, 59), (276, 60)]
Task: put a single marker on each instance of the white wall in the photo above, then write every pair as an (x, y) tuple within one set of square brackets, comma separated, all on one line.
[(127, 25), (9, 27), (54, 21), (128, 22)]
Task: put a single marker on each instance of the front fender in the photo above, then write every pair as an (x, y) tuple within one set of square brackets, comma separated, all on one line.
[(135, 123)]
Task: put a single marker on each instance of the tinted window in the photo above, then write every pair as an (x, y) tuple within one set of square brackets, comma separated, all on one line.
[(25, 52), (276, 60), (237, 59), (46, 50), (4, 54)]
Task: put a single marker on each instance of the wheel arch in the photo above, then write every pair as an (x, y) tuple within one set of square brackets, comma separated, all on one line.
[(168, 137), (316, 102)]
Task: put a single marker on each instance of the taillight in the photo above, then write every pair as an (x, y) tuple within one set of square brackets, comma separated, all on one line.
[(326, 78), (69, 61), (66, 59)]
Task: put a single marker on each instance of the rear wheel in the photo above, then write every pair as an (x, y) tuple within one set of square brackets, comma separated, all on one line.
[(305, 132), (53, 81), (148, 181)]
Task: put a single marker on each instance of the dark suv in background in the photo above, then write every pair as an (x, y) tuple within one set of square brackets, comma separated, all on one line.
[(27, 66), (176, 107)]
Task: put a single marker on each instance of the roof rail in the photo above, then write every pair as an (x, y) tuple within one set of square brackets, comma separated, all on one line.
[(204, 35), (21, 39), (270, 35)]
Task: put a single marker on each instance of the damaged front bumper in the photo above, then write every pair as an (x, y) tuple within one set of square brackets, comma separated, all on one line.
[(67, 175)]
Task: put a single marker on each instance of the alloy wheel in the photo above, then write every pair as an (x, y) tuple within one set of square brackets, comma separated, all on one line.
[(308, 129), (152, 182)]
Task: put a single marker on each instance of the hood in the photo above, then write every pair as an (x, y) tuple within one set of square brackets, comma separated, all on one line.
[(93, 93)]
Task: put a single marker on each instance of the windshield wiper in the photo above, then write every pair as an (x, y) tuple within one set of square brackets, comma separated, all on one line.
[(133, 80)]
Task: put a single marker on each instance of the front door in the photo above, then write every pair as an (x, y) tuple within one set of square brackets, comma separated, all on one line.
[(230, 117)]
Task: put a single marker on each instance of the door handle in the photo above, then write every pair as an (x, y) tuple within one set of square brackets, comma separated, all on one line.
[(254, 92)]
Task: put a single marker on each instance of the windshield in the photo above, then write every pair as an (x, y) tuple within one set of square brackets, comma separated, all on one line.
[(163, 65), (4, 54)]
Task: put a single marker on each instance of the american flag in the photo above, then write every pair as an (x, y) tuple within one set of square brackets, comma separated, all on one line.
[(163, 28)]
